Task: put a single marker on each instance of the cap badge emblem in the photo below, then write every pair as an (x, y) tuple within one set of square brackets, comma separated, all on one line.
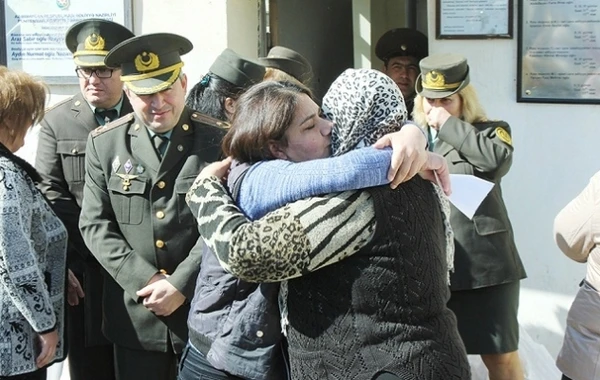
[(433, 79), (146, 61), (94, 42)]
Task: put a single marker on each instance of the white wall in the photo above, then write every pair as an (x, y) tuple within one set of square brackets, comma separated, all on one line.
[(556, 151)]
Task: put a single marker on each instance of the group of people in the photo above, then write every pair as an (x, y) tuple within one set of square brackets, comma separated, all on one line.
[(323, 255)]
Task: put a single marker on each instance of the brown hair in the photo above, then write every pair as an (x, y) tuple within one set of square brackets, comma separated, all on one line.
[(262, 115), (22, 100)]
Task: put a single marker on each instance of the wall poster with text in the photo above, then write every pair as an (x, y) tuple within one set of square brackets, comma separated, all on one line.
[(559, 51), (34, 33)]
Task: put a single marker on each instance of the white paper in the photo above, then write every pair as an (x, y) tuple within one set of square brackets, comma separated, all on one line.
[(468, 192)]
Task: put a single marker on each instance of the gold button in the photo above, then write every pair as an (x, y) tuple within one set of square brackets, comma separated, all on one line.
[(185, 127), (194, 115), (77, 103), (180, 148), (160, 244), (162, 271), (74, 151), (136, 127), (161, 184), (259, 334), (160, 214)]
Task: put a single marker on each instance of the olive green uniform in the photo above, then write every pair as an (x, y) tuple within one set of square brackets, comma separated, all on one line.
[(136, 223)]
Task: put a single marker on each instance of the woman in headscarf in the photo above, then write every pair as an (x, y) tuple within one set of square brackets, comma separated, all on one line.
[(366, 271)]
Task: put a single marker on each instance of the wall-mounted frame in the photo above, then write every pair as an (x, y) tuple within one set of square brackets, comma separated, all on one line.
[(33, 33), (558, 52), (474, 19)]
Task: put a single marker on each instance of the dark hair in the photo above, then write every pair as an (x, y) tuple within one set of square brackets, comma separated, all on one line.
[(262, 115), (208, 96)]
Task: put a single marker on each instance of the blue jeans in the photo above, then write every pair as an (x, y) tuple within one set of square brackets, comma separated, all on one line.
[(194, 366)]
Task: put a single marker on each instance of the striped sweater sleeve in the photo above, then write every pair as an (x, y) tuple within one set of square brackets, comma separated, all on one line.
[(286, 243)]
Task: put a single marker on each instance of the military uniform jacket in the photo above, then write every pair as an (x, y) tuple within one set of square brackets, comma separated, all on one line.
[(136, 223), (60, 160), (485, 250)]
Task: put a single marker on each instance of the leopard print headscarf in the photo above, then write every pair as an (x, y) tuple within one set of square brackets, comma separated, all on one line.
[(364, 105)]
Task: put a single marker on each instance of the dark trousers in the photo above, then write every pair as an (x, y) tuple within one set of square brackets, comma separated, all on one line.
[(87, 363), (194, 366), (133, 364), (40, 374)]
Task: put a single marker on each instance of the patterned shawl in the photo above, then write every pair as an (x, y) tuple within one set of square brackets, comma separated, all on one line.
[(364, 105)]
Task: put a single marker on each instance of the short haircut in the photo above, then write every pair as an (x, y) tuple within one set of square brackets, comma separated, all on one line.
[(22, 99), (262, 115)]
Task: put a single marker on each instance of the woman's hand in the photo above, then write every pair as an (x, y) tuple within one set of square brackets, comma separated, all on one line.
[(219, 169), (410, 153), (437, 116), (48, 343), (74, 289), (436, 171)]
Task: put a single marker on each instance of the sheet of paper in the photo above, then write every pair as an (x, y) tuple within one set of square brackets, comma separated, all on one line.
[(468, 192)]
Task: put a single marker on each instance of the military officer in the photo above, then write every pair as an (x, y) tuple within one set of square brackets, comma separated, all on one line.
[(134, 217), (487, 267), (401, 50), (60, 162)]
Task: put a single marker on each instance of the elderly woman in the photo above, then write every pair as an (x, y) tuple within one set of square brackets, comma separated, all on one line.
[(33, 243), (367, 264), (488, 269), (577, 234), (227, 78)]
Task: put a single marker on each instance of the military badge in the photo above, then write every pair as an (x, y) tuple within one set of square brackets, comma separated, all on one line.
[(503, 135), (116, 164), (63, 4)]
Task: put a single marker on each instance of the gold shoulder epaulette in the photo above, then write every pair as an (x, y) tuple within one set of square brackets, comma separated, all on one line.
[(202, 118), (113, 124), (58, 104)]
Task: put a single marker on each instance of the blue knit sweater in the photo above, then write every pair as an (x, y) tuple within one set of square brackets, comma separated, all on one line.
[(290, 181)]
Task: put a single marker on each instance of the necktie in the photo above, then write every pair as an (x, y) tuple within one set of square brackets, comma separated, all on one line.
[(160, 144), (107, 115)]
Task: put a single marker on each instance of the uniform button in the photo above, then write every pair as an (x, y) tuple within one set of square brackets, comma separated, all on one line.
[(161, 184), (160, 214), (185, 127), (259, 334), (180, 148), (159, 244), (77, 103), (136, 127), (74, 151)]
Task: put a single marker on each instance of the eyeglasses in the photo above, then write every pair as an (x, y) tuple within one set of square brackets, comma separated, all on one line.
[(101, 72)]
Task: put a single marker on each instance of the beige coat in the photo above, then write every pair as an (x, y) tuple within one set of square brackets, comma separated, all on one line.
[(577, 234)]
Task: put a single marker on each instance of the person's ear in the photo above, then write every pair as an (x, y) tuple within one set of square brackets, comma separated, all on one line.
[(277, 151), (229, 107)]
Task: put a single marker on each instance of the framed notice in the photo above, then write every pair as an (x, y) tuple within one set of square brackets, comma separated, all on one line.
[(559, 51), (33, 38), (474, 19)]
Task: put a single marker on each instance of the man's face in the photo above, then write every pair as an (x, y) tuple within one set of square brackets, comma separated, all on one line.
[(403, 71), (160, 111), (99, 91)]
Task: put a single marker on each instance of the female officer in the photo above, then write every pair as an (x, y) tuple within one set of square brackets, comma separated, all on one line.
[(488, 269)]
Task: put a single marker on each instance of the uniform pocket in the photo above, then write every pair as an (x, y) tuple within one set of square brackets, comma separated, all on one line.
[(128, 201), (72, 153), (182, 185), (488, 225)]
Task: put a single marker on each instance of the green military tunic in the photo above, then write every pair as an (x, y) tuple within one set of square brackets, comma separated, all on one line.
[(60, 160), (136, 223), (485, 250)]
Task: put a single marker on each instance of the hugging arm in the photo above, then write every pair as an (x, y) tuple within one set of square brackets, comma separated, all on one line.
[(289, 242)]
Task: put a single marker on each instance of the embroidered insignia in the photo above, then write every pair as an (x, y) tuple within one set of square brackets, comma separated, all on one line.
[(94, 42), (503, 135), (146, 61), (128, 166), (116, 164), (139, 169)]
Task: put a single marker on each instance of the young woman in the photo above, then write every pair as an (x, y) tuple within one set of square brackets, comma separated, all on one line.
[(33, 243), (367, 270), (488, 269)]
